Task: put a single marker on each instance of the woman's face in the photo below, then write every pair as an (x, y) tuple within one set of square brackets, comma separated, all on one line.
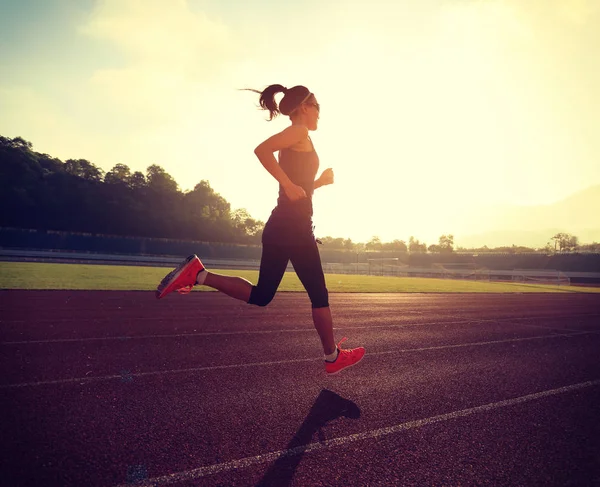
[(311, 110)]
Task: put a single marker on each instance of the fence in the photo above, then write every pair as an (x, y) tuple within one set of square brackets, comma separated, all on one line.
[(335, 260)]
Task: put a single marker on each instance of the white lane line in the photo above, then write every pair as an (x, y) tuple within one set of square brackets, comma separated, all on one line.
[(551, 328), (200, 472), (293, 330), (235, 316), (476, 344), (171, 335), (83, 380)]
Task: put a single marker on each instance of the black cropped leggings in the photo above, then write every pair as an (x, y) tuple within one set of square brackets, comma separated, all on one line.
[(307, 264)]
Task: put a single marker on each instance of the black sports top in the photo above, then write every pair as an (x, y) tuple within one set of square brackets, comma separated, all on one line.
[(290, 222), (301, 167)]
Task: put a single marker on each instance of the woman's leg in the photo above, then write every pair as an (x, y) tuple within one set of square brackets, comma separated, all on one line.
[(324, 325), (307, 264), (273, 263), (236, 287)]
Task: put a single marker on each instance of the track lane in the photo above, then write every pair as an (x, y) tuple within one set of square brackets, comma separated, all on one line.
[(105, 433)]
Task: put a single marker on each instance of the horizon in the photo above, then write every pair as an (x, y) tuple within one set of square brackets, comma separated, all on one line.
[(413, 100), (537, 246)]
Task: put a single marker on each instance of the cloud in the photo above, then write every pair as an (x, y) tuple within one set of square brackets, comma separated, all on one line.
[(170, 55), (162, 34)]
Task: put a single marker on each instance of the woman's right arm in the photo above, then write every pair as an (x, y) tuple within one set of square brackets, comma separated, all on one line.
[(265, 153)]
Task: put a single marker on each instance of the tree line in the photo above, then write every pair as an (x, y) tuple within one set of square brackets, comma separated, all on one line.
[(42, 192), (559, 243)]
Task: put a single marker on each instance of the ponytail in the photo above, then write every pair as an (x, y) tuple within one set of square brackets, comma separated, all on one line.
[(291, 100)]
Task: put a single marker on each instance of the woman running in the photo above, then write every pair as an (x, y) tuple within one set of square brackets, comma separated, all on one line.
[(288, 234)]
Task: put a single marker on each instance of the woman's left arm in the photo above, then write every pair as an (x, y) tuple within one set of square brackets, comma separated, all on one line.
[(325, 178)]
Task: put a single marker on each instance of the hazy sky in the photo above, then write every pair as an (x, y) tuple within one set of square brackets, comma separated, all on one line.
[(427, 105)]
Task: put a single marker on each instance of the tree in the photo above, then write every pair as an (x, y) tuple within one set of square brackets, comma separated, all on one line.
[(118, 174), (159, 180), (446, 243), (247, 225), (137, 180), (415, 246), (331, 242), (565, 242), (397, 245), (16, 143), (209, 204), (374, 243), (84, 169), (593, 247)]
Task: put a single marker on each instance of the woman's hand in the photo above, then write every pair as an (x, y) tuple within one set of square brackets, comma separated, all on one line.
[(326, 177), (294, 192)]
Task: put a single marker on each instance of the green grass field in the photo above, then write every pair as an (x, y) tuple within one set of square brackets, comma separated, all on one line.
[(28, 275)]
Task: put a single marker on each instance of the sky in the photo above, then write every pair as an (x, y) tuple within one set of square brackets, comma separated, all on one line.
[(430, 109)]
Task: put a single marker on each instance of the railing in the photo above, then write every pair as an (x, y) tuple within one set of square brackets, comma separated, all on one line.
[(375, 269)]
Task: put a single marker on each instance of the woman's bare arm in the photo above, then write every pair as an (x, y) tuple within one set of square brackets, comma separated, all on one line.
[(265, 153), (325, 178)]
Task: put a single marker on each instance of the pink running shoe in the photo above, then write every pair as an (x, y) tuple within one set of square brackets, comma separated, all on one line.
[(346, 358), (181, 279)]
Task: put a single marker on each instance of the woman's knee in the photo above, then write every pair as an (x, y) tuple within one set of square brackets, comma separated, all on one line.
[(320, 299), (260, 298)]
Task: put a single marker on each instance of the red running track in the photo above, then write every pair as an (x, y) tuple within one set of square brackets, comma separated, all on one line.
[(117, 388)]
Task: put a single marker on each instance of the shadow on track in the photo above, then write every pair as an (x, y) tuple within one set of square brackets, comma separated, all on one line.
[(327, 407)]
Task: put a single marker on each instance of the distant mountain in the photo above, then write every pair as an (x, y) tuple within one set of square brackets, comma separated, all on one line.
[(533, 226)]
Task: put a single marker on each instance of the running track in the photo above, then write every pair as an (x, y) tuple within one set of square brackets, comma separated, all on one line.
[(117, 388)]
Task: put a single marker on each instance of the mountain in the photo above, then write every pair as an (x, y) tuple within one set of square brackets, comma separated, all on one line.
[(533, 226)]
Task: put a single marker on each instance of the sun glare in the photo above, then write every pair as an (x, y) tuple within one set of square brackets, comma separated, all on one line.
[(431, 111)]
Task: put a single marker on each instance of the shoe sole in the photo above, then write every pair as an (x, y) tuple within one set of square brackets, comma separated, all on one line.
[(347, 366), (172, 276)]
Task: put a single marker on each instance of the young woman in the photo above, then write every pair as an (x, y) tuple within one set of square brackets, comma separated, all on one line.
[(288, 234)]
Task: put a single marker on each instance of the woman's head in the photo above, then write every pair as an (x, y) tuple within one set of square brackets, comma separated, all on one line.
[(298, 103)]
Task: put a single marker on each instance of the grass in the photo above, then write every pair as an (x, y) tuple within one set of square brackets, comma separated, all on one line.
[(30, 275)]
